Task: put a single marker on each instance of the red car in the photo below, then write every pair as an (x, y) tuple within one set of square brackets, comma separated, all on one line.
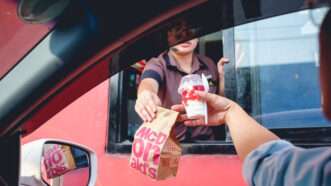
[(67, 74)]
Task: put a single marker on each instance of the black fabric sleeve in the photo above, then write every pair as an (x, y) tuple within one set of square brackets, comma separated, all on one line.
[(152, 74)]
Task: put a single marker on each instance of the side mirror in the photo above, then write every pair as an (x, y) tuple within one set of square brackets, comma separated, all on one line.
[(40, 11), (54, 162)]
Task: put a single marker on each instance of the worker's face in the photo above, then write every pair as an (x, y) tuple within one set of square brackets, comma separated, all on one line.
[(186, 47)]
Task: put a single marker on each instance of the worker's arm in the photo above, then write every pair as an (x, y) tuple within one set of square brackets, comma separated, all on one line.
[(147, 96), (221, 85), (220, 69), (147, 99)]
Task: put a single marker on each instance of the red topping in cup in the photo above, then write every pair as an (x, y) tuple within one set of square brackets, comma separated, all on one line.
[(189, 94)]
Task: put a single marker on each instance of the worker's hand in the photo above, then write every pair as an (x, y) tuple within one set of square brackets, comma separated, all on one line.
[(146, 105), (220, 65), (218, 107)]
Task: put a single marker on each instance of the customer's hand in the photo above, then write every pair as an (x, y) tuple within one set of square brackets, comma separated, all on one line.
[(218, 107), (146, 105)]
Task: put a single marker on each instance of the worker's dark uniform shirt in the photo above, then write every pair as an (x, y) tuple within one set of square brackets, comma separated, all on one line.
[(166, 71)]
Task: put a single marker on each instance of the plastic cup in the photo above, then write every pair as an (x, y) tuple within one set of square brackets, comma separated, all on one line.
[(193, 106)]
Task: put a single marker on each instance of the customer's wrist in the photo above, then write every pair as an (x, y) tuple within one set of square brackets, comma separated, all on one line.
[(232, 112)]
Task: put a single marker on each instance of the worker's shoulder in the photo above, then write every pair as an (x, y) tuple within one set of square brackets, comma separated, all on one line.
[(158, 60), (207, 60)]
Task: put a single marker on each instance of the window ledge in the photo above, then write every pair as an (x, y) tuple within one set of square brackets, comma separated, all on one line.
[(187, 148), (226, 148)]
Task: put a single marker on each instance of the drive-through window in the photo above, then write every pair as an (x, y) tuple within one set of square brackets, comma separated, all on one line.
[(273, 74)]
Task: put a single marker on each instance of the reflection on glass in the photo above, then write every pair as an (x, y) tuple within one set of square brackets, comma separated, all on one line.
[(64, 165), (277, 70)]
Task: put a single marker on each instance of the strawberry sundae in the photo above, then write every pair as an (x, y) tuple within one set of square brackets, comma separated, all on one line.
[(193, 105)]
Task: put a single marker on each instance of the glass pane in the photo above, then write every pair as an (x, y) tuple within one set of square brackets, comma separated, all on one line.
[(277, 70)]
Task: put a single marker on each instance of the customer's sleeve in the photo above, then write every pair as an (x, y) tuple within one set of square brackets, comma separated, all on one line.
[(154, 69), (279, 163)]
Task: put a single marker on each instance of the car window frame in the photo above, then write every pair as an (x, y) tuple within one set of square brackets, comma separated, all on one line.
[(117, 131)]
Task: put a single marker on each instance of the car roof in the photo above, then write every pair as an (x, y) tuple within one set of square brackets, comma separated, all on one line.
[(95, 40)]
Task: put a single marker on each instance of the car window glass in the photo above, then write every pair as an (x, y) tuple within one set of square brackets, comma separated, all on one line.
[(277, 70)]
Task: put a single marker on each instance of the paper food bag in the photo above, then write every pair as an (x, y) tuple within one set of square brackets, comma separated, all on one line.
[(58, 160), (155, 150)]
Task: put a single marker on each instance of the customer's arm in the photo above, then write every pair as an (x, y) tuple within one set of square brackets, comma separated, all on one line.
[(246, 133), (267, 160)]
